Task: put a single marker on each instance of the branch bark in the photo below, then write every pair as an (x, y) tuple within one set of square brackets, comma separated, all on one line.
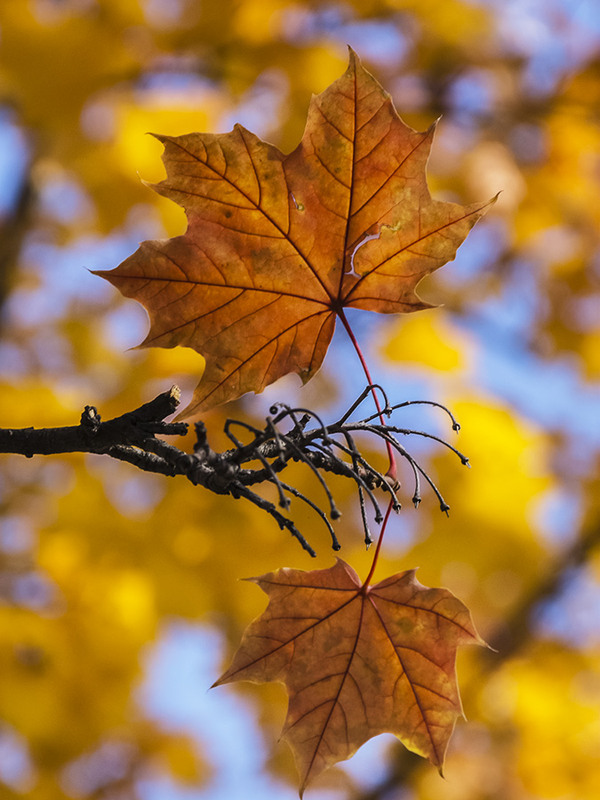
[(135, 428), (132, 437)]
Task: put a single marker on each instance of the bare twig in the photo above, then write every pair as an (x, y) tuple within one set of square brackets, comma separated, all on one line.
[(132, 437)]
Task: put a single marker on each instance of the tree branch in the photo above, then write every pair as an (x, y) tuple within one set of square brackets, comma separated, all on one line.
[(132, 437), (13, 229), (136, 428)]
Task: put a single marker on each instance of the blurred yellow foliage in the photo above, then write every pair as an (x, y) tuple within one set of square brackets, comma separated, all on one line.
[(22, 400), (429, 340), (553, 691)]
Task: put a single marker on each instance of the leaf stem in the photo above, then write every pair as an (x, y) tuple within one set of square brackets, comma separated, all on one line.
[(367, 580), (391, 473)]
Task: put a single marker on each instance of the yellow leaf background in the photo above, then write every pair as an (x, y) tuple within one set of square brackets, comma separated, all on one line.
[(119, 591)]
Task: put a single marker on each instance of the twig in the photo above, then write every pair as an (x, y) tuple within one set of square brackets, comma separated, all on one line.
[(132, 437), (92, 435)]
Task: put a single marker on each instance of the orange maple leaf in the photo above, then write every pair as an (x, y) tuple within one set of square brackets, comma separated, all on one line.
[(277, 246), (357, 661)]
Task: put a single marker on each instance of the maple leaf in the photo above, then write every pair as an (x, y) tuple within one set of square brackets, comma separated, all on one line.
[(357, 661), (277, 246)]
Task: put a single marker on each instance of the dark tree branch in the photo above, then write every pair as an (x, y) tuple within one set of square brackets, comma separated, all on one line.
[(132, 437), (13, 229), (136, 428)]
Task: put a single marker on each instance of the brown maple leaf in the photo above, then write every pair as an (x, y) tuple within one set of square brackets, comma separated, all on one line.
[(357, 661), (277, 246)]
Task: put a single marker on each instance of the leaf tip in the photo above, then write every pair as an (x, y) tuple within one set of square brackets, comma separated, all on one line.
[(433, 127), (221, 681), (161, 137), (353, 56)]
